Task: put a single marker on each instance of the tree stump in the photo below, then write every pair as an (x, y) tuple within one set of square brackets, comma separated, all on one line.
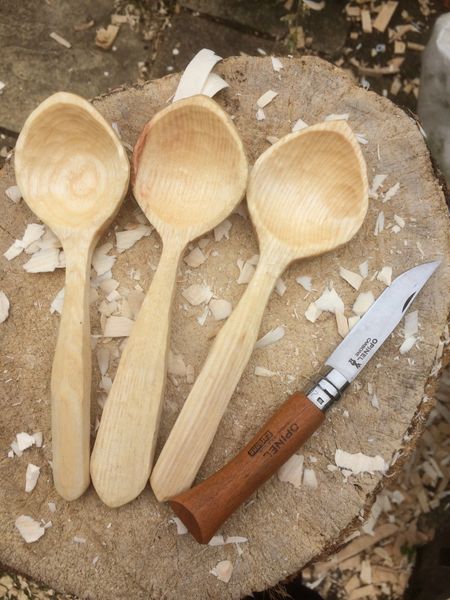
[(139, 552)]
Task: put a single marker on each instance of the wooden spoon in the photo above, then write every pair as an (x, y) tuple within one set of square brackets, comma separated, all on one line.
[(307, 194), (73, 173), (190, 171)]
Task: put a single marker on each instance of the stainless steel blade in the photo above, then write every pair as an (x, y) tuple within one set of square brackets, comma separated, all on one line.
[(368, 335)]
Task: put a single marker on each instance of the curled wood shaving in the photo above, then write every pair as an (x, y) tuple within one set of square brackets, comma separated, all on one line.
[(305, 281), (29, 529), (276, 64), (292, 470), (220, 309), (223, 570), (213, 85), (126, 239), (271, 337), (266, 98), (196, 74), (362, 303), (4, 307), (101, 262), (359, 462), (13, 193), (353, 279), (31, 477), (195, 258), (197, 294)]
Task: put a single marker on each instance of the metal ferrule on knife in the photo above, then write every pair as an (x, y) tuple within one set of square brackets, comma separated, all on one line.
[(327, 388)]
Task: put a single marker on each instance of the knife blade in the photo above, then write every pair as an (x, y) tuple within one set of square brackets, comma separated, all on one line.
[(205, 507)]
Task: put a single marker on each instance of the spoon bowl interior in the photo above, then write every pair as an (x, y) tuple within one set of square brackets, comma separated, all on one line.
[(70, 167), (309, 190), (190, 168)]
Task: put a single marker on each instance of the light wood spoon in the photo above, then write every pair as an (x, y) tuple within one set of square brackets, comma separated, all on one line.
[(190, 171), (73, 173), (307, 194)]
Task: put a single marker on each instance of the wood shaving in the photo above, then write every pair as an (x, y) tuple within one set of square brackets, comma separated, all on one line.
[(276, 64), (333, 117), (43, 261), (223, 570), (118, 327), (51, 507), (310, 479), (364, 269), (366, 22), (379, 224), (103, 357), (196, 74), (363, 302), (14, 250), (266, 98), (197, 294), (260, 114), (135, 299), (352, 321), (213, 85), (220, 309), (385, 15), (391, 192), (361, 139), (246, 272), (38, 438), (411, 323), (78, 540), (359, 462), (126, 239), (235, 539), (58, 38), (31, 477), (353, 279), (263, 372), (272, 139), (4, 307), (312, 313), (407, 344), (342, 324), (314, 5), (24, 441), (305, 281), (101, 262), (201, 319), (195, 258), (104, 38), (280, 287), (13, 193), (330, 301), (292, 470), (216, 540), (377, 182), (271, 337), (222, 230), (400, 222), (385, 275), (108, 285), (57, 302), (29, 529), (181, 527), (299, 125)]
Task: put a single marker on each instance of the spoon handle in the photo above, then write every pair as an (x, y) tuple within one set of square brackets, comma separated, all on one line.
[(125, 444), (197, 423), (70, 384)]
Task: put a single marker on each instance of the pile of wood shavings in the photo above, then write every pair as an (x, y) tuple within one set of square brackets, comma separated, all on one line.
[(377, 562)]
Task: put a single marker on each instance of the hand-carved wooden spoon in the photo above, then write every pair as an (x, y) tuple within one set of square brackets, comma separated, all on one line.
[(190, 171), (307, 194), (73, 173)]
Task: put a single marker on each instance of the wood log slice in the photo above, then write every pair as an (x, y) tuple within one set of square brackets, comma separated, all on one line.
[(134, 551)]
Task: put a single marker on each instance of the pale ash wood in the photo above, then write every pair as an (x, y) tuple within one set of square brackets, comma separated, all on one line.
[(73, 173), (307, 194), (190, 172)]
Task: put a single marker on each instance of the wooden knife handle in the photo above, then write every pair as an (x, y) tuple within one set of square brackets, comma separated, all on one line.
[(205, 507)]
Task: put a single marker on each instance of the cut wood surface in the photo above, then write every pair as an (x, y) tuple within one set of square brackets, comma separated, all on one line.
[(135, 551)]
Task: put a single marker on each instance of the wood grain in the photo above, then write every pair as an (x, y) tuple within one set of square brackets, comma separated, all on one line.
[(73, 173), (190, 171), (297, 212), (205, 508)]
